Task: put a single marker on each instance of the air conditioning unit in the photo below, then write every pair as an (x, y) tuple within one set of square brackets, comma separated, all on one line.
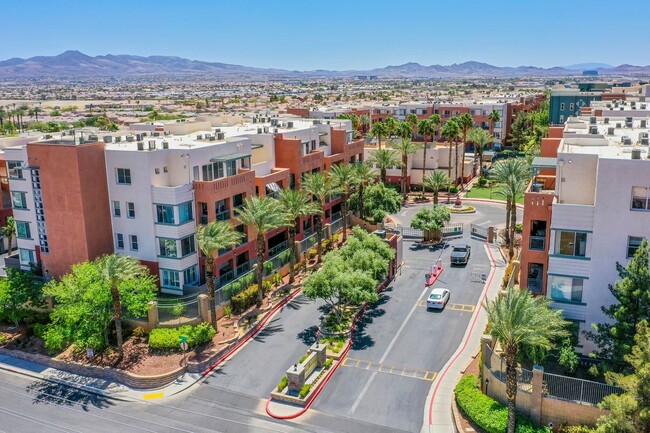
[(118, 139), (138, 137), (289, 125), (165, 144), (610, 131), (636, 153), (627, 141), (592, 120), (266, 129), (140, 145), (213, 138), (644, 123), (221, 135), (108, 138), (593, 129), (156, 134), (199, 137), (259, 130), (130, 138), (643, 142), (152, 144), (619, 125)]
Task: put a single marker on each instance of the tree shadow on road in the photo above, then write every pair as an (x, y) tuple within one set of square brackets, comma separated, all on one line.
[(55, 393), (297, 303), (268, 330), (308, 335)]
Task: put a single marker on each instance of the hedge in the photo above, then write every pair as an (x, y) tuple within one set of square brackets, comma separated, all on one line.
[(169, 338), (244, 299), (488, 414)]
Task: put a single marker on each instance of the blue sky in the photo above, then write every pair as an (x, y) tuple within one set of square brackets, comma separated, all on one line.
[(346, 34)]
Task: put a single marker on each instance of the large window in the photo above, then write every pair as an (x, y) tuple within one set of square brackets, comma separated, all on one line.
[(185, 213), (15, 169), (119, 241), (566, 289), (170, 278), (571, 243), (22, 230), (124, 176), (26, 257), (633, 244), (640, 198), (187, 245), (212, 171), (190, 275), (167, 247), (18, 200), (164, 214)]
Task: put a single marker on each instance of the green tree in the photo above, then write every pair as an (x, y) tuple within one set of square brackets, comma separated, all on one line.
[(632, 292), (295, 204), (466, 122), (451, 131), (383, 159), (405, 130), (508, 173), (405, 147), (412, 119), (320, 186), (480, 138), (392, 124), (9, 231), (518, 319), (630, 411), (378, 200), (84, 305), (425, 128), (494, 117), (364, 175), (262, 215), (364, 119), (431, 221), (435, 181), (211, 238), (378, 131), (18, 292), (512, 189), (519, 135), (343, 179)]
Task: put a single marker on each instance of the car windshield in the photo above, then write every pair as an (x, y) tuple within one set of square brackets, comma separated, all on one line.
[(463, 249), (435, 296)]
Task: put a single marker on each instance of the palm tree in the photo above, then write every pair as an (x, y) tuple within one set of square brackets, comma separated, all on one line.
[(436, 180), (216, 236), (405, 130), (511, 174), (405, 147), (3, 116), (295, 204), (391, 127), (450, 132), (378, 131), (435, 121), (263, 215), (364, 119), (383, 159), (494, 117), (425, 127), (363, 175), (518, 319), (343, 179), (412, 119), (116, 269), (466, 122), (9, 231), (320, 186), (480, 138), (511, 190)]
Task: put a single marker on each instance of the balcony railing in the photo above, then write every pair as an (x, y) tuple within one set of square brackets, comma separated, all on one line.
[(274, 251), (226, 278), (336, 216), (223, 215), (203, 219), (537, 243), (243, 268)]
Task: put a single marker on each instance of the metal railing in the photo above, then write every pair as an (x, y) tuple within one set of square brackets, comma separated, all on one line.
[(452, 229), (336, 225), (578, 390), (177, 311), (274, 251), (537, 243)]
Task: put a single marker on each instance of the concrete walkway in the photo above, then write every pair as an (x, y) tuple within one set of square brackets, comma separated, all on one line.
[(437, 410)]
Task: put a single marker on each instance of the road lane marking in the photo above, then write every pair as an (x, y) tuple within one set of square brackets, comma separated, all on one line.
[(375, 367), (465, 308), (153, 395)]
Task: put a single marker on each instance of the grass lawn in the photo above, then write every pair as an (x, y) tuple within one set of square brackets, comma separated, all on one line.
[(486, 192)]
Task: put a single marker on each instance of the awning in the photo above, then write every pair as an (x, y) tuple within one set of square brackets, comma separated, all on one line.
[(274, 187), (544, 162), (230, 157)]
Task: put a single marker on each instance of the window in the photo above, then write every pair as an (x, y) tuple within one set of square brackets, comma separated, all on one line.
[(571, 243), (156, 170), (124, 176), (133, 240), (164, 214), (167, 247), (566, 289), (170, 278), (119, 241), (571, 106), (15, 170), (130, 209), (190, 275), (196, 172), (238, 200), (537, 235), (640, 198), (203, 212), (242, 229), (18, 200), (208, 174), (187, 246), (26, 257), (562, 118), (165, 169), (185, 213), (562, 106), (116, 209), (212, 171), (22, 230), (633, 244)]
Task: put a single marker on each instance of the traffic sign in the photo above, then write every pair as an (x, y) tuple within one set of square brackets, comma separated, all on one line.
[(183, 338), (184, 346)]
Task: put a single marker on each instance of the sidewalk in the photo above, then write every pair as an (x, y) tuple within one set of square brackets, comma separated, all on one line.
[(437, 409)]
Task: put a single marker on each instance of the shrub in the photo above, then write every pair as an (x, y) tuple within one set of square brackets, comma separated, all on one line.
[(283, 383), (169, 338), (267, 285), (138, 332), (506, 275), (3, 339), (328, 363), (244, 299), (519, 228), (482, 182), (303, 358), (227, 310), (453, 189), (311, 254), (304, 390), (577, 429), (335, 237), (38, 329), (327, 245), (488, 414)]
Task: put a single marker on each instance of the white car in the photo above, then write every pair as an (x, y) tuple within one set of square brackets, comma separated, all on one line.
[(438, 298)]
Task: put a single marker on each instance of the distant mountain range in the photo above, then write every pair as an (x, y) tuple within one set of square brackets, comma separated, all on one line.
[(77, 64)]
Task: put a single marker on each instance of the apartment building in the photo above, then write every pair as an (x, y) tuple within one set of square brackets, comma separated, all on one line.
[(586, 210)]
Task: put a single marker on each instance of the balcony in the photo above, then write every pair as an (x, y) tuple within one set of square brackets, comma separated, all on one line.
[(537, 243), (274, 251), (223, 215), (237, 181)]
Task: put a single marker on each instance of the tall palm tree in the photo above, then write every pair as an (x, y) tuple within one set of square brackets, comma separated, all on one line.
[(378, 131), (383, 159), (436, 180), (494, 118), (213, 237), (363, 175), (412, 119), (114, 270), (480, 138), (263, 215), (36, 111), (405, 147), (391, 127), (365, 122), (436, 121), (450, 132), (9, 231), (405, 130), (3, 116), (425, 127), (343, 179), (518, 319), (295, 204), (511, 174), (511, 189), (466, 122), (320, 186)]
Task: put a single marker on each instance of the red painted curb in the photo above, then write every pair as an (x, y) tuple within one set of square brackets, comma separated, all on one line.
[(335, 366), (254, 333), (469, 334)]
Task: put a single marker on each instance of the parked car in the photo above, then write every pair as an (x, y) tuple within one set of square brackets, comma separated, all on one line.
[(460, 254), (438, 298)]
